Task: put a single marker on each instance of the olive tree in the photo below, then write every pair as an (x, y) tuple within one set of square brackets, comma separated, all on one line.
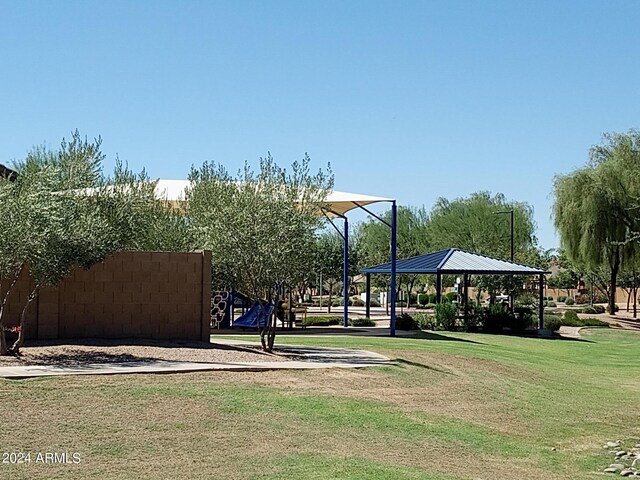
[(259, 226), (60, 213)]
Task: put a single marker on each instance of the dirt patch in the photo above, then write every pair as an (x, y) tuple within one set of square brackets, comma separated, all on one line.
[(110, 351)]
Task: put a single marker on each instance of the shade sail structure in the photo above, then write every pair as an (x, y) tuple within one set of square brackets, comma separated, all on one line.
[(455, 261), (338, 203)]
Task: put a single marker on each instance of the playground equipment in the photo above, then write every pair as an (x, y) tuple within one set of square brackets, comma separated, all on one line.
[(255, 317)]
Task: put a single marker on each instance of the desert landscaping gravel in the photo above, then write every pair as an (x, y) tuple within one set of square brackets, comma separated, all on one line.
[(105, 351)]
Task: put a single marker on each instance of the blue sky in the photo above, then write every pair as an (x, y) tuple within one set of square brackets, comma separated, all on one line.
[(412, 100)]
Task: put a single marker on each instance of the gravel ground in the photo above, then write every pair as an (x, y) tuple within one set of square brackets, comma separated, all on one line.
[(105, 351)]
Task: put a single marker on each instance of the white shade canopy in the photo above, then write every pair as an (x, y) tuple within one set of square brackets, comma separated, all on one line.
[(338, 203)]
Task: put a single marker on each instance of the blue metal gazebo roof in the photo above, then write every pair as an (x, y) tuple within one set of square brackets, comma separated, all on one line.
[(454, 261)]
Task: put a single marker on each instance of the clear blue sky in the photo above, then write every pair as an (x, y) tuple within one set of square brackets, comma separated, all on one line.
[(412, 100)]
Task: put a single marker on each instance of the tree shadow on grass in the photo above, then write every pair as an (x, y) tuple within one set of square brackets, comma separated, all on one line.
[(402, 361), (428, 335)]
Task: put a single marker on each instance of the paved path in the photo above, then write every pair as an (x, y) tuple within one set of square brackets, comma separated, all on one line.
[(311, 358)]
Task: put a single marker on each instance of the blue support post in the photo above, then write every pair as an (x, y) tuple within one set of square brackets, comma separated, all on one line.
[(541, 302), (367, 312), (393, 268), (345, 272)]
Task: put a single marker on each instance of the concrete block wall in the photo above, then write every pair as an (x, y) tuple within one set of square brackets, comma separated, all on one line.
[(157, 295)]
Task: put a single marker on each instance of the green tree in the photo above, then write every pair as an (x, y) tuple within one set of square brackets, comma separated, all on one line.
[(412, 238), (330, 259), (597, 208), (473, 224), (59, 214), (259, 226), (564, 279)]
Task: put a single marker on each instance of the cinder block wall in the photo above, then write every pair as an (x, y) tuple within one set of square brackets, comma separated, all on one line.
[(17, 300), (157, 295)]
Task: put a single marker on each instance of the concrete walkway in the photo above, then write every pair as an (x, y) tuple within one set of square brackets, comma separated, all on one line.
[(310, 358)]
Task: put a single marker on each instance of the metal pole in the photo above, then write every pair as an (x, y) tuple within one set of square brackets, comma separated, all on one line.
[(367, 301), (321, 291), (512, 234), (393, 267), (345, 272), (541, 302), (466, 297)]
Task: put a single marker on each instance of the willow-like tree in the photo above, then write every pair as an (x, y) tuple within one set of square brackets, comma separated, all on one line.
[(260, 226), (597, 208)]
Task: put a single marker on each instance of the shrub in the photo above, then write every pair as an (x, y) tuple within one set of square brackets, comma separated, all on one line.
[(425, 322), (550, 299), (569, 301), (496, 318), (590, 310), (552, 322), (472, 323), (430, 305), (615, 309), (551, 304), (446, 315), (374, 303), (413, 298), (321, 321), (600, 298), (406, 322), (599, 308), (527, 299), (432, 298), (523, 319), (423, 298), (451, 296), (356, 302), (570, 318), (361, 322), (562, 298), (582, 299), (593, 322)]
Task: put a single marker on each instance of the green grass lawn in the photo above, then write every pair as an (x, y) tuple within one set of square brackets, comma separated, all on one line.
[(453, 406)]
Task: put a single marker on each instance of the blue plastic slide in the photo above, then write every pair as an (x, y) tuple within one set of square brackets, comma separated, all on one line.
[(250, 318)]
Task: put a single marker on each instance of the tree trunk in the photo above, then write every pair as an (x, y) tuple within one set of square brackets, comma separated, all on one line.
[(3, 341), (409, 288), (15, 348), (330, 295), (612, 285), (635, 297), (628, 292), (267, 332)]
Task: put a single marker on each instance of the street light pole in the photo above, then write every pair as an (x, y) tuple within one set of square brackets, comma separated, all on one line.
[(512, 244), (512, 250)]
